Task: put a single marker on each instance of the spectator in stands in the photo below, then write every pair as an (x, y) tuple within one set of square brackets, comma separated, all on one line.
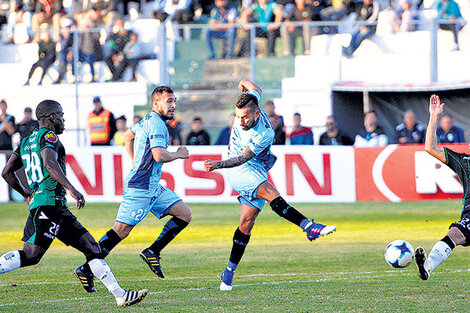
[(410, 131), (224, 135), (26, 126), (4, 12), (263, 12), (133, 53), (89, 46), (46, 53), (300, 135), (177, 11), (102, 11), (369, 13), (101, 124), (301, 12), (121, 126), (448, 12), (198, 136), (47, 11), (371, 135), (66, 49), (21, 12), (277, 121), (337, 10), (174, 130), (334, 136), (221, 18), (404, 17), (137, 118), (116, 59), (447, 132), (7, 127)]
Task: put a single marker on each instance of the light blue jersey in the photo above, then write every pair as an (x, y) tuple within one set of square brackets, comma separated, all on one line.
[(247, 177), (142, 190)]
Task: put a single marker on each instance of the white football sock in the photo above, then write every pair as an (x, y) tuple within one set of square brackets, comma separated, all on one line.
[(10, 261), (439, 253), (101, 269)]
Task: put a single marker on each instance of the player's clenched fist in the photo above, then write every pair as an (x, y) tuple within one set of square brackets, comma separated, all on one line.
[(209, 165), (183, 152)]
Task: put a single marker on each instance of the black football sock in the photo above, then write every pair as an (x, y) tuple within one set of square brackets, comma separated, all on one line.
[(108, 242), (169, 232), (240, 241), (284, 210)]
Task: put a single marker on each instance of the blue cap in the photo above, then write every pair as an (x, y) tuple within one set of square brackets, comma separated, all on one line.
[(96, 99)]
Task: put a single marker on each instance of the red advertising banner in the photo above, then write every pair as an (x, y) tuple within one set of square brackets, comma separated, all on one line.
[(404, 173)]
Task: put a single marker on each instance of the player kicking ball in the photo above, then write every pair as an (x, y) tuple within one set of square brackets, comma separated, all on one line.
[(250, 160), (43, 157), (147, 143), (459, 232)]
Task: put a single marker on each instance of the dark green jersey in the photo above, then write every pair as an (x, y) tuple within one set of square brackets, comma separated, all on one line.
[(46, 190)]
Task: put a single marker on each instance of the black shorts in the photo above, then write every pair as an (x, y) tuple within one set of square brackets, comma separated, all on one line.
[(44, 223), (464, 226)]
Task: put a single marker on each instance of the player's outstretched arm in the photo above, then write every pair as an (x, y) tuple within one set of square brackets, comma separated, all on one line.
[(245, 86), (246, 155), (162, 155), (431, 146), (8, 173), (51, 165), (129, 143)]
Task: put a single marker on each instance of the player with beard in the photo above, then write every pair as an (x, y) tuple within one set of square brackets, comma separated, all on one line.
[(147, 143), (43, 157), (250, 160)]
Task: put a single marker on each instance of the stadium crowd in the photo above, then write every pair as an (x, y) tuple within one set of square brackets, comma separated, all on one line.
[(103, 36), (105, 130)]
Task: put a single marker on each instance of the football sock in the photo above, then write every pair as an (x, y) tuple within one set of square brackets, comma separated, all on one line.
[(101, 269), (10, 261), (284, 210), (108, 242), (232, 266), (439, 252), (169, 232), (240, 241)]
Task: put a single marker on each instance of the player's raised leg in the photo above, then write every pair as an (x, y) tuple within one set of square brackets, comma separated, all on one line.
[(440, 251), (181, 216), (30, 255), (314, 230), (241, 238)]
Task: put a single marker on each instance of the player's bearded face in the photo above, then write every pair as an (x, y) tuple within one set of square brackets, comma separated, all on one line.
[(165, 105), (247, 117)]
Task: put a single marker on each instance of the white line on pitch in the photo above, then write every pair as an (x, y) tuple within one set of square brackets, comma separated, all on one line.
[(368, 275)]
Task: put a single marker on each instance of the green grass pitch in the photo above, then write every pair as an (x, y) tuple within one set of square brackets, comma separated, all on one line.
[(281, 270)]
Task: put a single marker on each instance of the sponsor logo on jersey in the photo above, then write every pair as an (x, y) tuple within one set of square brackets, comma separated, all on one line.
[(51, 137)]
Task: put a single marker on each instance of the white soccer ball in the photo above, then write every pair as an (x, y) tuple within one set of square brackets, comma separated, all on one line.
[(399, 253)]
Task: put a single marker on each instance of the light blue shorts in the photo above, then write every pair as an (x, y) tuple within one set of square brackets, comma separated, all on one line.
[(137, 203), (246, 179)]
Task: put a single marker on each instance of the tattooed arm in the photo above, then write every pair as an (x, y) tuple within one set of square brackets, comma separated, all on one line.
[(246, 155)]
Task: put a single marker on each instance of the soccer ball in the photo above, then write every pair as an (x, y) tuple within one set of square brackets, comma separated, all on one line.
[(399, 253)]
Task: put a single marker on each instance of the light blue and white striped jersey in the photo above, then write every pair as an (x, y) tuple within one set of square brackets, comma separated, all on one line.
[(259, 139), (149, 133)]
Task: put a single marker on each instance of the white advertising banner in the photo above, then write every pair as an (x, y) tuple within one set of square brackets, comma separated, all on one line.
[(301, 174)]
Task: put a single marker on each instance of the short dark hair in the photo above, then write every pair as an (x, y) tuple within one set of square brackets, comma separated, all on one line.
[(197, 118), (28, 109), (297, 114), (3, 101), (45, 108), (161, 89), (247, 100), (371, 111), (122, 117)]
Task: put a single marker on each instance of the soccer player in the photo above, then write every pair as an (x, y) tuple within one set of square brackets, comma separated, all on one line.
[(147, 142), (249, 163), (459, 232), (43, 157)]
